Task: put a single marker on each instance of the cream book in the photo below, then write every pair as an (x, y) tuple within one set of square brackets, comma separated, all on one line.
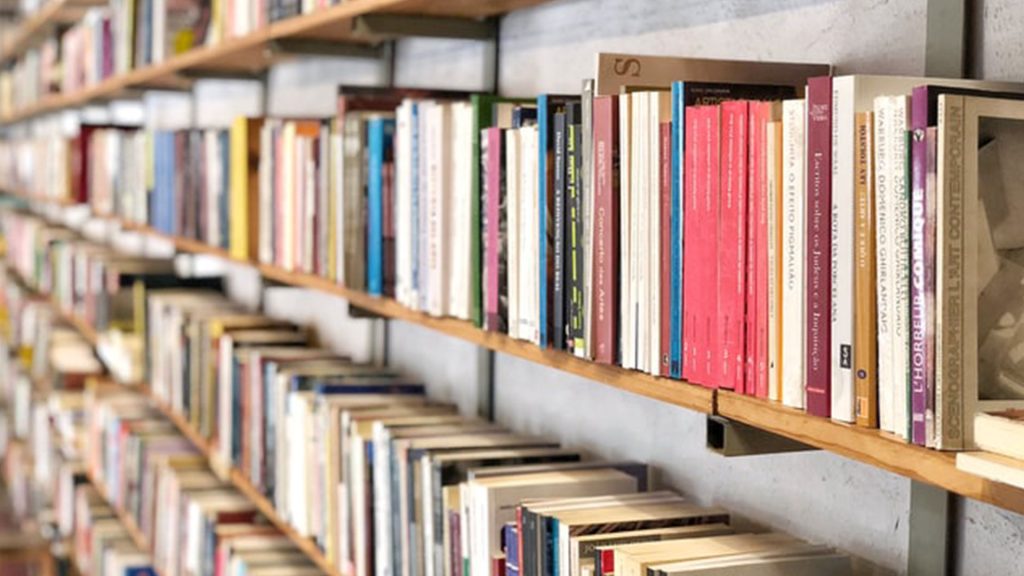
[(1000, 432), (993, 467)]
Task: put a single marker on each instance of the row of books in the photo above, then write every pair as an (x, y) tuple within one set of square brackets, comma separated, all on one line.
[(115, 38), (699, 221)]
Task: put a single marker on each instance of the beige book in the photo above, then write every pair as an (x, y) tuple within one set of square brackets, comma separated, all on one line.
[(1000, 432), (993, 467), (801, 560), (635, 559)]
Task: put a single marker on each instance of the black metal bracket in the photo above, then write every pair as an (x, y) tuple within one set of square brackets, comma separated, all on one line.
[(390, 26), (729, 438)]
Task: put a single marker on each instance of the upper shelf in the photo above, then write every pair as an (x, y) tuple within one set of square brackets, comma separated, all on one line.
[(32, 28), (249, 54), (869, 446)]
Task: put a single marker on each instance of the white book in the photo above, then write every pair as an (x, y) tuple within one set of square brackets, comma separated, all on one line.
[(529, 246), (421, 206), (899, 241), (266, 172), (626, 351), (884, 263), (660, 110), (438, 189), (793, 241), (842, 231), (403, 203), (513, 228), (460, 250), (775, 270), (638, 267)]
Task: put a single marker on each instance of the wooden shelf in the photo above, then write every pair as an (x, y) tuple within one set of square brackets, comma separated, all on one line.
[(249, 54), (869, 446)]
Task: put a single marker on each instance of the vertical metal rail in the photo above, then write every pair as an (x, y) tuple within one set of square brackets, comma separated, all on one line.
[(932, 529)]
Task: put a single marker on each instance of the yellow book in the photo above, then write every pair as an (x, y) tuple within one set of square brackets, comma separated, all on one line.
[(242, 228)]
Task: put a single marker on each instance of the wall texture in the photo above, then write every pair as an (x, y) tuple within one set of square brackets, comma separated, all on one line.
[(817, 496)]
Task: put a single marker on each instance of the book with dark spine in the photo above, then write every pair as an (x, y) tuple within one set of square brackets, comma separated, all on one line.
[(605, 296), (818, 217), (559, 220)]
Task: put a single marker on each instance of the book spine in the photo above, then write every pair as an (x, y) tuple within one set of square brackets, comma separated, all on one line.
[(575, 269), (773, 200), (579, 328), (691, 252), (664, 263), (732, 253), (818, 250), (710, 189), (930, 272), (677, 205), (883, 263), (375, 208), (751, 264), (606, 223), (558, 264), (626, 357), (918, 289), (900, 241), (762, 279), (842, 261), (544, 194), (865, 353), (586, 190)]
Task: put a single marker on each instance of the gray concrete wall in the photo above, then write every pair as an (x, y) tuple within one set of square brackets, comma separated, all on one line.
[(817, 496)]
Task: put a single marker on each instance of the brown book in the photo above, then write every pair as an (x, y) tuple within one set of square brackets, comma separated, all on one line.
[(865, 351), (615, 71)]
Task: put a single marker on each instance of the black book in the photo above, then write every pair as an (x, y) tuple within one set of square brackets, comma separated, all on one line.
[(558, 275), (574, 205)]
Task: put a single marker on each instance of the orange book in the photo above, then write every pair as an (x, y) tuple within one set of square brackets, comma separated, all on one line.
[(865, 353)]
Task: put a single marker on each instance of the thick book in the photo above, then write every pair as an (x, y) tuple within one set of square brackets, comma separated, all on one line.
[(978, 281), (995, 467), (865, 349), (818, 248), (606, 293), (616, 71), (547, 106)]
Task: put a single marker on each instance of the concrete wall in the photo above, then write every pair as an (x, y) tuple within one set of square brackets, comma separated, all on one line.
[(817, 496)]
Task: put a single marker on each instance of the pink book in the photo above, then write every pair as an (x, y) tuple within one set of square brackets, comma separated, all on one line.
[(492, 191), (764, 112), (692, 249), (754, 147), (732, 239), (708, 170), (605, 297)]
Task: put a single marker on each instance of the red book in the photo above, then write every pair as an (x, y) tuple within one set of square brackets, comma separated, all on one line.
[(731, 255), (605, 299), (755, 145), (493, 252), (692, 153), (763, 115), (708, 169), (665, 154), (818, 259)]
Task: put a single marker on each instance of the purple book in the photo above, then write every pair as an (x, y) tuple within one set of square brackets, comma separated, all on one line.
[(918, 264), (930, 195)]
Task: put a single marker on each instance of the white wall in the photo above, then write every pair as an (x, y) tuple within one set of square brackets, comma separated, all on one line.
[(817, 496)]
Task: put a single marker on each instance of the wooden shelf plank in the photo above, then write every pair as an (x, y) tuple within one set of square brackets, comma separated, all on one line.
[(34, 26), (869, 446), (245, 54)]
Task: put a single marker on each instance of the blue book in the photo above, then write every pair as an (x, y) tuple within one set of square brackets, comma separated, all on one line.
[(139, 571), (380, 135), (511, 537), (414, 205), (547, 105), (223, 209)]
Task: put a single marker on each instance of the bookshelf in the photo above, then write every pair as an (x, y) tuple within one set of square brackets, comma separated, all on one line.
[(31, 28), (869, 446), (252, 53)]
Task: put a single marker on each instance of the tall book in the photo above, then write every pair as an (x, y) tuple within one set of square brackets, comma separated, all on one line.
[(558, 217), (494, 244), (773, 162), (731, 254), (865, 343), (380, 134), (605, 296), (818, 250)]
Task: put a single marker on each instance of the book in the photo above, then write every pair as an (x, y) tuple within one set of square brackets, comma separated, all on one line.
[(999, 432), (995, 467), (606, 297), (973, 374), (865, 359), (818, 211), (776, 271), (380, 135), (730, 357)]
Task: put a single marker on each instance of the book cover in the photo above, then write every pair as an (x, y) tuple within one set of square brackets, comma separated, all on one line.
[(818, 250), (731, 256), (692, 252), (842, 260), (900, 241), (761, 114), (883, 263), (709, 174), (495, 246), (606, 230), (931, 219), (865, 349), (918, 287), (776, 220), (627, 350)]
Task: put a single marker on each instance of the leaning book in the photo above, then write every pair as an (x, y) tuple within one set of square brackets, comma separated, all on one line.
[(980, 263)]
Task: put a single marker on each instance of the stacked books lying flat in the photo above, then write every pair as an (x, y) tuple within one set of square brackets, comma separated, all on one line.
[(753, 227), (999, 437), (102, 545), (195, 523)]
